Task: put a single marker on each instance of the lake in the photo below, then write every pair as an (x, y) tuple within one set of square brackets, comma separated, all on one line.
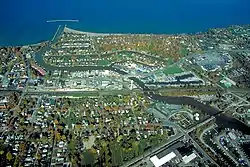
[(24, 22)]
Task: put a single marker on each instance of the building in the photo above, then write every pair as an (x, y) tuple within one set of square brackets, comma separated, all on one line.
[(230, 81), (232, 135), (226, 83), (186, 159), (39, 69), (159, 162), (5, 83)]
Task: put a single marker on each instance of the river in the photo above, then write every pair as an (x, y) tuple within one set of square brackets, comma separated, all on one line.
[(221, 119)]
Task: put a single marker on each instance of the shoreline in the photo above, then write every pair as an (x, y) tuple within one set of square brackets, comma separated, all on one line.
[(25, 45), (70, 30)]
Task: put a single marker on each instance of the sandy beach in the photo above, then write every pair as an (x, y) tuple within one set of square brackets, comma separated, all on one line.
[(69, 30)]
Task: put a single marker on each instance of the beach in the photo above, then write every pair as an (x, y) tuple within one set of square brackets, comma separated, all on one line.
[(69, 30)]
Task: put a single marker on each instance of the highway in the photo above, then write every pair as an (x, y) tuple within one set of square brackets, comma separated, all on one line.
[(111, 92), (80, 93)]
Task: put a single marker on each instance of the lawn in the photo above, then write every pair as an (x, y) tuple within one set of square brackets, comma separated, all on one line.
[(184, 52), (116, 154), (103, 62), (170, 62), (122, 56), (70, 119), (172, 70)]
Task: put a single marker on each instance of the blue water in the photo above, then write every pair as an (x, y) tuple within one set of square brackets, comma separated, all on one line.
[(24, 21)]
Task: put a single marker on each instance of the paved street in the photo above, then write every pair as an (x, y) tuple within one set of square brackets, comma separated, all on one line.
[(154, 151)]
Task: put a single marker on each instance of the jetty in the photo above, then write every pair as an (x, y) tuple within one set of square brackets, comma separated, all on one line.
[(53, 21)]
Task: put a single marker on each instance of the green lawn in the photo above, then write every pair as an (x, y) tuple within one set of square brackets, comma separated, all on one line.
[(121, 56), (116, 154), (184, 52), (103, 62), (170, 62), (89, 158), (172, 70), (70, 119)]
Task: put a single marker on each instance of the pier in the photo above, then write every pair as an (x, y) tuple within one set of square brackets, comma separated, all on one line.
[(53, 21), (59, 31)]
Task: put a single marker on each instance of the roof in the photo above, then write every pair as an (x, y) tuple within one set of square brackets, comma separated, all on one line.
[(232, 135), (230, 81), (187, 159), (158, 162), (226, 83)]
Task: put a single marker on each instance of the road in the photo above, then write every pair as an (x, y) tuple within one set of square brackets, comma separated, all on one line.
[(82, 92), (217, 141), (34, 114), (201, 138), (240, 90), (242, 99), (222, 88), (154, 151), (165, 146), (196, 145), (200, 124), (50, 91)]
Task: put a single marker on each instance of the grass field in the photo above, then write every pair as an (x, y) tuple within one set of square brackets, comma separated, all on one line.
[(103, 62), (172, 70), (184, 52)]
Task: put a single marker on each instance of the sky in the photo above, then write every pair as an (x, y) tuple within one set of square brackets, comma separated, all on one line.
[(23, 22)]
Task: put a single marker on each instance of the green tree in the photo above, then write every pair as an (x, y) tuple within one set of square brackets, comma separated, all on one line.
[(38, 156), (71, 146), (89, 158), (16, 163), (9, 156), (135, 147)]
